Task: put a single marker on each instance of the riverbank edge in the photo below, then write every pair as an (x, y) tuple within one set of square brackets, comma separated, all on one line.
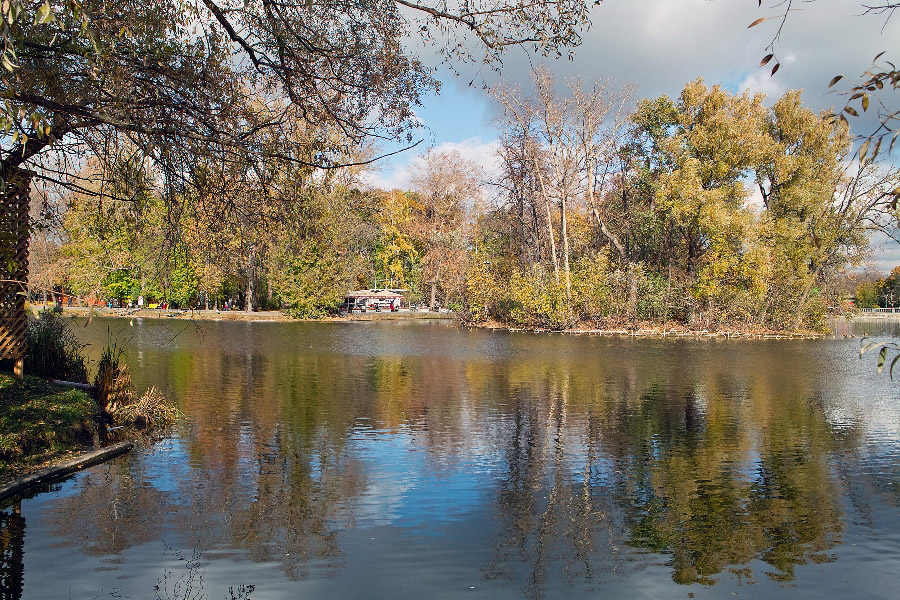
[(41, 422), (654, 330), (62, 469), (643, 329)]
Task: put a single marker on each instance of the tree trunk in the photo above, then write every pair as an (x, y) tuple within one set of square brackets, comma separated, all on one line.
[(550, 226), (565, 238), (433, 292), (552, 242), (632, 293), (251, 289), (603, 230), (538, 250), (609, 235)]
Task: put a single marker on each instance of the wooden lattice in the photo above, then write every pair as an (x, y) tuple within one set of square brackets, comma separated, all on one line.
[(13, 267)]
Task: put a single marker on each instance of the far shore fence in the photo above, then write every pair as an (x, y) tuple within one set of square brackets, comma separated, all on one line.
[(891, 310)]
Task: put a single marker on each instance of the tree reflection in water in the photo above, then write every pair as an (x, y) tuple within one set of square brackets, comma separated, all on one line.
[(715, 495), (715, 473), (599, 461)]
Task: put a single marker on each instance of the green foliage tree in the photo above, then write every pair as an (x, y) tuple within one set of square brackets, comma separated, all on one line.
[(867, 294), (716, 211)]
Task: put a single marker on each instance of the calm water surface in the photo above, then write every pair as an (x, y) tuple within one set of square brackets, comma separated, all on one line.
[(418, 460)]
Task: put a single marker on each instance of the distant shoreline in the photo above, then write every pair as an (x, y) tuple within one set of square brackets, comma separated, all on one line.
[(640, 330), (238, 315)]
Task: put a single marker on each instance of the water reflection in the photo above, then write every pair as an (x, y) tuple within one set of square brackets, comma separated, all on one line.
[(12, 542), (535, 465)]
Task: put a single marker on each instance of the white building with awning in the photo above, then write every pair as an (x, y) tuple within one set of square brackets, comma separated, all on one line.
[(385, 299)]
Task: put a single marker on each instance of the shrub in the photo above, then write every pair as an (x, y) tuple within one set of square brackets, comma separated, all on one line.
[(112, 385), (590, 286), (52, 350), (483, 291), (538, 300)]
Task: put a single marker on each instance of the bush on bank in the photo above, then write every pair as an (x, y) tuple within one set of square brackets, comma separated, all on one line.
[(52, 350)]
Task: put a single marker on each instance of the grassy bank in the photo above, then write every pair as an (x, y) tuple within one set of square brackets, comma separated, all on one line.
[(40, 422)]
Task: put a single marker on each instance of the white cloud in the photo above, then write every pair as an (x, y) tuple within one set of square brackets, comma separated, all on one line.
[(396, 175), (662, 44), (761, 81), (885, 253)]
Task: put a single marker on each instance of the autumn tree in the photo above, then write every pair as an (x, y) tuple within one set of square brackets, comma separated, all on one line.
[(713, 210), (756, 263), (695, 153), (397, 254), (557, 150), (819, 207), (447, 185)]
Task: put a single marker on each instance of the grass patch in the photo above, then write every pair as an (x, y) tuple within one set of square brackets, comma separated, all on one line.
[(40, 422)]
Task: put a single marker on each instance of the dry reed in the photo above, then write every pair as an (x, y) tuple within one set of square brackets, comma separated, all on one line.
[(151, 410)]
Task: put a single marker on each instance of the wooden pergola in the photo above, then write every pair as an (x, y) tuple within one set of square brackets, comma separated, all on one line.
[(14, 232)]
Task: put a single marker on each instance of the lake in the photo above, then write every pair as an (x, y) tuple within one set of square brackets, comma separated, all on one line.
[(415, 459)]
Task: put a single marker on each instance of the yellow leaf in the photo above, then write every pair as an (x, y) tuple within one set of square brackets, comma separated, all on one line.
[(44, 13), (863, 149)]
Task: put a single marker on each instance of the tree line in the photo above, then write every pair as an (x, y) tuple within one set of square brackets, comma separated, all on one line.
[(708, 210)]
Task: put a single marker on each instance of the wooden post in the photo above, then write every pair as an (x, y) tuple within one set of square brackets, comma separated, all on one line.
[(19, 368)]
